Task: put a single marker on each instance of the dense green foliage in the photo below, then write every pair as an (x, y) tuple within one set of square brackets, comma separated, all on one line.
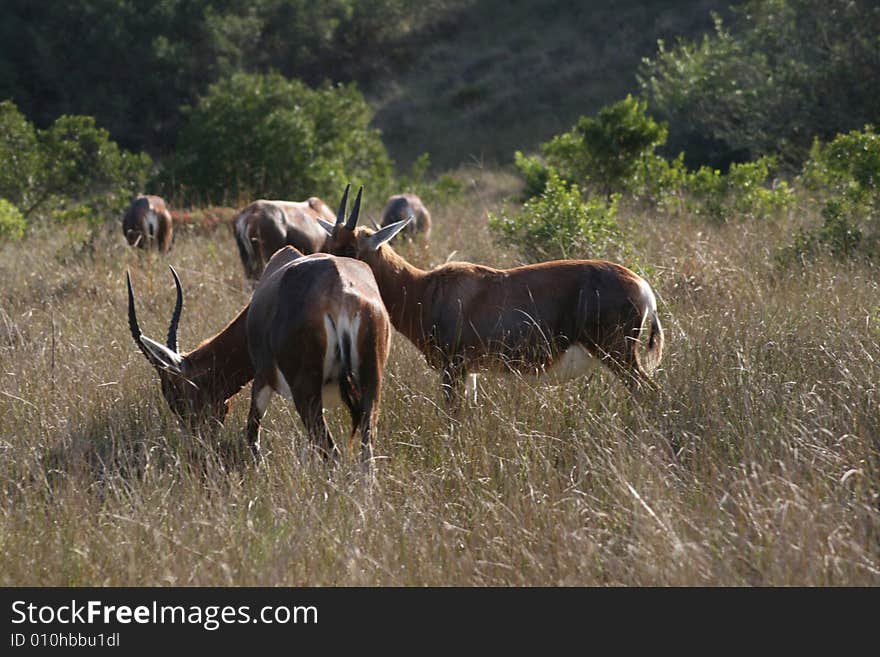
[(72, 169), (132, 63), (615, 153), (785, 72), (601, 153), (264, 136), (12, 223), (560, 223), (843, 178)]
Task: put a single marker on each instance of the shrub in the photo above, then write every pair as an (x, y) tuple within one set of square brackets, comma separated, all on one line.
[(72, 162), (19, 156), (743, 191), (849, 165), (844, 177), (12, 224), (560, 224), (602, 152), (264, 135), (787, 70), (839, 236)]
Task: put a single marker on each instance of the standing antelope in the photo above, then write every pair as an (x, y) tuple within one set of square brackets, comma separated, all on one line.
[(547, 318), (406, 205), (315, 331), (147, 224), (263, 227)]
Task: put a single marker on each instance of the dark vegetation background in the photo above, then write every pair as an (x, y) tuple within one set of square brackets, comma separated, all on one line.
[(455, 78)]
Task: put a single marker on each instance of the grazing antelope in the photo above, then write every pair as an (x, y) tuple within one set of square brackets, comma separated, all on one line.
[(547, 318), (147, 224), (315, 331), (405, 205), (263, 227)]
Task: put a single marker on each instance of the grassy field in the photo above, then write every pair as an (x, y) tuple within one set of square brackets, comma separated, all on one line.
[(757, 464)]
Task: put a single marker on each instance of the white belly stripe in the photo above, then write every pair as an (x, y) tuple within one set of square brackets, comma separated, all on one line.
[(573, 362)]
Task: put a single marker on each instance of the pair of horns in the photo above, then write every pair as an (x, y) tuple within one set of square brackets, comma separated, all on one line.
[(356, 210), (165, 355), (382, 235)]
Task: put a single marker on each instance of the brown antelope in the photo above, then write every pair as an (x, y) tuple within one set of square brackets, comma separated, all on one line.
[(405, 205), (263, 227), (547, 318), (147, 224), (315, 331)]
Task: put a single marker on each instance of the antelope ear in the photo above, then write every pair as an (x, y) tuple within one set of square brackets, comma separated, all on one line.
[(326, 225), (161, 355), (374, 241)]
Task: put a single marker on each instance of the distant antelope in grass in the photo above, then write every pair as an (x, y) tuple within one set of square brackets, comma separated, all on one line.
[(147, 224), (548, 318), (315, 331), (263, 227), (405, 205)]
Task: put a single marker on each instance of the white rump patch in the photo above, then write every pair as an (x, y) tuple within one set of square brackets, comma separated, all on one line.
[(281, 385), (345, 325), (152, 222), (648, 294)]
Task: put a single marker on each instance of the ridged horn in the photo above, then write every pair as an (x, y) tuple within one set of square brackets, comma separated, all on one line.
[(171, 342), (353, 219), (340, 216)]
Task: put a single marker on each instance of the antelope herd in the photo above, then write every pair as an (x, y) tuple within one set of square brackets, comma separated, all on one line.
[(317, 329)]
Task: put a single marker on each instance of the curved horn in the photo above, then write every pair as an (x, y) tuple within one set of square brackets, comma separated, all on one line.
[(373, 222), (171, 342), (132, 317), (340, 216), (353, 218)]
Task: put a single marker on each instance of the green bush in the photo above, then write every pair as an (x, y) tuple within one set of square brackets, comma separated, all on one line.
[(849, 165), (560, 224), (602, 153), (785, 71), (742, 192), (19, 156), (839, 236), (12, 223), (264, 136), (72, 162), (844, 178)]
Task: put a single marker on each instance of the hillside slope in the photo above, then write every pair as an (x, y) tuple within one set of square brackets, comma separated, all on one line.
[(501, 76)]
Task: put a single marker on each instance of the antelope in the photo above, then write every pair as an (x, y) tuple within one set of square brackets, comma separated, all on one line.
[(147, 224), (263, 227), (400, 207), (552, 318), (315, 331)]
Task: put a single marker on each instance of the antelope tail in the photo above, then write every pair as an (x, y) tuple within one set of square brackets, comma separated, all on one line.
[(245, 248), (349, 389), (655, 343)]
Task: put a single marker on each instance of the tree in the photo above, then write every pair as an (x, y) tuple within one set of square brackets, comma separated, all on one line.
[(264, 135), (71, 164), (787, 71)]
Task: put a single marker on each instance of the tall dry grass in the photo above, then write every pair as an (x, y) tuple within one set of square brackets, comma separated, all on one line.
[(758, 463)]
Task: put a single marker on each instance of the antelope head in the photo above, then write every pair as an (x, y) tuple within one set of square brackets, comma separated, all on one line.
[(190, 397), (343, 238)]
